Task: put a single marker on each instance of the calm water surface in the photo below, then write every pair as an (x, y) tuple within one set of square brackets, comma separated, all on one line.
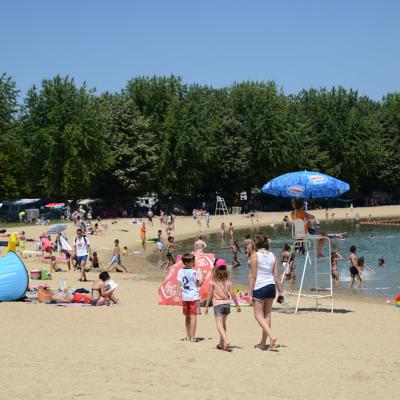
[(385, 243)]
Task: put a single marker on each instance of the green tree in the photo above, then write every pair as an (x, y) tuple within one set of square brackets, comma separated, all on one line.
[(10, 143), (65, 133), (133, 149)]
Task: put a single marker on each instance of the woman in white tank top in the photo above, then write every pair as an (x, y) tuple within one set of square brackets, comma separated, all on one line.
[(263, 279)]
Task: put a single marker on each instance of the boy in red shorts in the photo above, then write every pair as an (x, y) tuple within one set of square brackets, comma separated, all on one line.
[(189, 281)]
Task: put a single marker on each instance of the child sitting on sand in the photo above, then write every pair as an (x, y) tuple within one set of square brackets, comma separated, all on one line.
[(189, 281), (95, 262), (221, 294), (103, 290)]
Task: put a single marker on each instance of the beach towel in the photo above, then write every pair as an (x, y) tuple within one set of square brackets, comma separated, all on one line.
[(64, 244)]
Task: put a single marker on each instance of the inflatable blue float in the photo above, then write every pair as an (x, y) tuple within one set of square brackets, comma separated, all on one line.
[(14, 277)]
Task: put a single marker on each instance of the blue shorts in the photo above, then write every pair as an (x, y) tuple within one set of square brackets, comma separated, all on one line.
[(81, 259), (264, 293)]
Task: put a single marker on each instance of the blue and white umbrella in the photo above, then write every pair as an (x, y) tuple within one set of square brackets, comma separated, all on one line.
[(306, 185), (56, 229)]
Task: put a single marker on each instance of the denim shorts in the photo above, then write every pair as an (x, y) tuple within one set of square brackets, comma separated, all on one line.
[(81, 259), (222, 309), (264, 293)]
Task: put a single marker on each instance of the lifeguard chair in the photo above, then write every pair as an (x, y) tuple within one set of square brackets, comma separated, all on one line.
[(301, 238)]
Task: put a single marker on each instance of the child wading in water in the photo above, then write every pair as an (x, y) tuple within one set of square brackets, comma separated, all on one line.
[(221, 293), (189, 282), (355, 273), (235, 250)]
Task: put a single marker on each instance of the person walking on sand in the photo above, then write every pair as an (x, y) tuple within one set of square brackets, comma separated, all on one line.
[(354, 272), (207, 216), (221, 294), (143, 235), (169, 253), (82, 250), (263, 281), (199, 244), (116, 258), (190, 282)]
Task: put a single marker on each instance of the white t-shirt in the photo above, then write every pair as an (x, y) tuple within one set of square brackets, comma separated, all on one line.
[(187, 277), (81, 246), (265, 269)]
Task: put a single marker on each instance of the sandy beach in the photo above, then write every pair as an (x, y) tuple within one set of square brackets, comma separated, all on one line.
[(134, 350)]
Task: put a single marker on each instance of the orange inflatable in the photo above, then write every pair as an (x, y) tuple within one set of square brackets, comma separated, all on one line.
[(167, 290)]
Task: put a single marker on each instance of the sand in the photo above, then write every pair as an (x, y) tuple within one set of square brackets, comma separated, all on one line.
[(134, 351)]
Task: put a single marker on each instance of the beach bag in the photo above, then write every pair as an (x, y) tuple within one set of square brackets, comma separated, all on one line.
[(44, 294), (45, 275)]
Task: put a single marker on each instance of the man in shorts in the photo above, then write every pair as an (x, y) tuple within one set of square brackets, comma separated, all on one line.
[(82, 251)]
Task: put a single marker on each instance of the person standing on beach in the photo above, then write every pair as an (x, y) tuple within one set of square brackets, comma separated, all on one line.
[(354, 272), (116, 258), (160, 241), (207, 216), (169, 253), (190, 282), (221, 294), (161, 217), (150, 216), (82, 251), (263, 281), (143, 235)]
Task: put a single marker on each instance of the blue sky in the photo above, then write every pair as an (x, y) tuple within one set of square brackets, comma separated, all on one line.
[(299, 44)]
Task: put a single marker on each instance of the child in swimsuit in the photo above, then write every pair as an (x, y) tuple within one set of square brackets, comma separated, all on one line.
[(169, 250), (285, 258), (235, 250), (355, 273), (222, 230), (335, 257), (99, 294), (143, 235)]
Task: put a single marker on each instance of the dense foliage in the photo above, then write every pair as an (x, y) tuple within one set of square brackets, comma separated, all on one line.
[(161, 135)]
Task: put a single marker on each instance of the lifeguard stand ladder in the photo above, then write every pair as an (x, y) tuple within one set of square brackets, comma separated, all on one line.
[(310, 243), (220, 207)]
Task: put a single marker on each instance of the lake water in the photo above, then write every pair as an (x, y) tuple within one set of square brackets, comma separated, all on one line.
[(385, 243)]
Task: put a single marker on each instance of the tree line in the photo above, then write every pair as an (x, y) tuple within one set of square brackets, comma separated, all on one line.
[(161, 135)]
